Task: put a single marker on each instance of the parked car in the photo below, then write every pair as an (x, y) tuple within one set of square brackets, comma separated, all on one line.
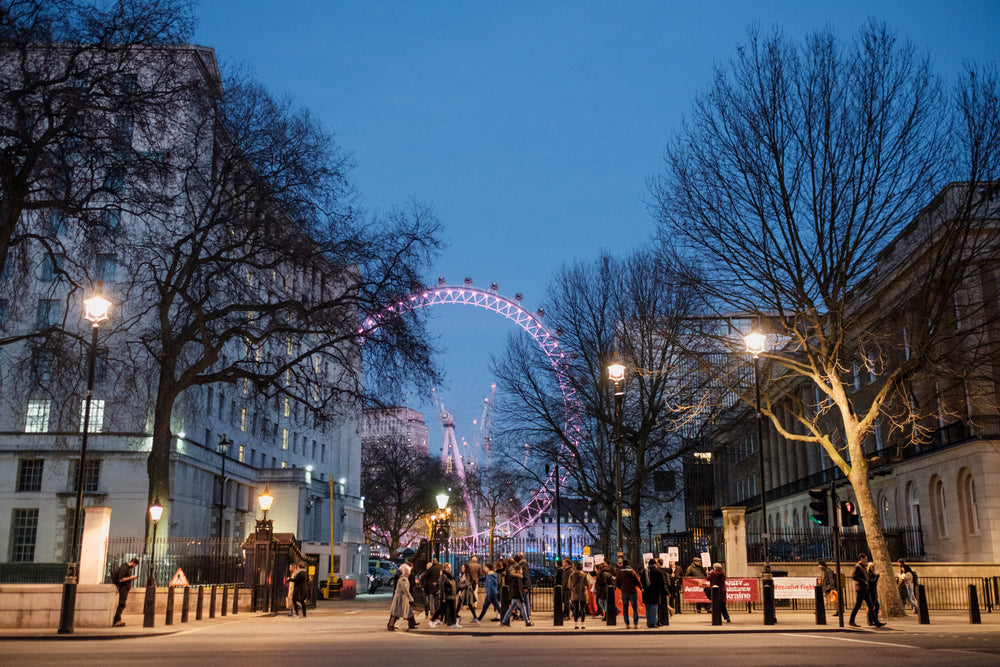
[(383, 563), (542, 577), (384, 575)]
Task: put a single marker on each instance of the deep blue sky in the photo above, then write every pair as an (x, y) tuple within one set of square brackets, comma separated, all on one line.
[(532, 127)]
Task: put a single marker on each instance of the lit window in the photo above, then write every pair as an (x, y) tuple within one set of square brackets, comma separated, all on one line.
[(288, 407), (38, 416), (243, 419), (288, 377), (246, 387), (243, 452), (96, 415), (284, 464), (284, 438), (29, 474)]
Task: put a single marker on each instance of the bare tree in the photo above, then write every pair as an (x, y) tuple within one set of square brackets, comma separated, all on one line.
[(399, 484), (497, 490), (797, 166), (71, 102), (631, 310)]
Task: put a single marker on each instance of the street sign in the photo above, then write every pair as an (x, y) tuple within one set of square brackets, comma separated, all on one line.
[(179, 579)]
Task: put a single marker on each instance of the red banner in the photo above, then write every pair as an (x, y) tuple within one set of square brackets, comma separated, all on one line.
[(737, 590)]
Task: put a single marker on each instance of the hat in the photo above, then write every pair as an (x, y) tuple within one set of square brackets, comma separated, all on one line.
[(696, 559)]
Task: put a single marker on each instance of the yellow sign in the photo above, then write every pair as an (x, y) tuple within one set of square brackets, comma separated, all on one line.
[(179, 579), (586, 551)]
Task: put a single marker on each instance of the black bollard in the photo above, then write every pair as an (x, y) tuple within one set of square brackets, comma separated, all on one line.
[(201, 602), (557, 605), (716, 596), (211, 603), (820, 607), (149, 607), (768, 590), (236, 598), (504, 601), (974, 617), (170, 606), (925, 619), (611, 613), (225, 598), (186, 604)]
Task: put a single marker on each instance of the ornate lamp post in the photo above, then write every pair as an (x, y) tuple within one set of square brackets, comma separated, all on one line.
[(756, 342), (616, 373), (96, 309), (265, 528), (224, 444), (149, 603), (558, 520), (440, 519)]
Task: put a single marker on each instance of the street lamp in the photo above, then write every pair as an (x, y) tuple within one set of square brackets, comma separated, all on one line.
[(669, 517), (649, 535), (440, 519), (265, 499), (755, 342), (616, 373), (558, 520), (224, 444), (265, 526), (96, 309), (149, 603)]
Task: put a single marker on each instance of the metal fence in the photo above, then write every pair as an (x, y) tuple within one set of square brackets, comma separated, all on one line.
[(32, 573), (204, 561), (948, 593), (905, 542)]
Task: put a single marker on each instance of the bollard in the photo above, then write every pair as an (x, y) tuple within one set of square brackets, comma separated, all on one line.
[(170, 606), (211, 603), (974, 617), (922, 601), (201, 602), (611, 613), (820, 607), (557, 605), (225, 598), (186, 604), (716, 605), (768, 590), (236, 598), (149, 607), (504, 601)]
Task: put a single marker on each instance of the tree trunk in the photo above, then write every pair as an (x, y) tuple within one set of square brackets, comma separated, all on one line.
[(888, 594), (158, 463)]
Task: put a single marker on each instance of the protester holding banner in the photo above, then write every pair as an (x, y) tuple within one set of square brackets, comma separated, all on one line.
[(696, 571)]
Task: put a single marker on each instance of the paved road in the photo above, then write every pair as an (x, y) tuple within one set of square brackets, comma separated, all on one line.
[(354, 634)]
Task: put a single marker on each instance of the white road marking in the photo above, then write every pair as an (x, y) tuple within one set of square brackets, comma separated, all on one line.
[(844, 639)]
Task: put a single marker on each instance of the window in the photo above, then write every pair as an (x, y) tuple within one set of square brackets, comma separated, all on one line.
[(125, 129), (91, 475), (968, 503), (243, 419), (96, 415), (42, 363), (114, 180), (52, 266), (38, 416), (106, 267), (3, 311), (128, 84), (288, 407), (57, 223), (111, 219), (914, 504), (939, 506), (48, 313), (208, 404), (29, 474), (284, 438), (23, 533), (243, 452)]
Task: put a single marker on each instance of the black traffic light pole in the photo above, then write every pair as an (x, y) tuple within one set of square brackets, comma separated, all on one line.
[(836, 551)]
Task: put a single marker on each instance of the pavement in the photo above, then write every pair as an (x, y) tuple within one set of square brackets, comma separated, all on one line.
[(370, 613)]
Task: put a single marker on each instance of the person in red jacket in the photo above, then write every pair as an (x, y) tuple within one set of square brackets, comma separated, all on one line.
[(717, 583), (628, 583)]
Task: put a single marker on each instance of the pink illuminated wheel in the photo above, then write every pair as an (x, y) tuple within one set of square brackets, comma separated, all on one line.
[(546, 340)]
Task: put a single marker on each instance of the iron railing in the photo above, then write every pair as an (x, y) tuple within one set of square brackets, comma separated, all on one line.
[(203, 561), (905, 542)]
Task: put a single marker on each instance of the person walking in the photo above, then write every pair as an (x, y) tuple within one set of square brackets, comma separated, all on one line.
[(829, 584), (122, 578), (653, 589), (696, 571), (466, 595), (473, 570), (717, 586), (402, 600), (492, 593), (516, 587), (449, 594), (873, 610), (300, 579), (628, 582), (430, 581), (565, 572), (906, 585), (861, 589), (602, 579), (578, 588), (525, 581)]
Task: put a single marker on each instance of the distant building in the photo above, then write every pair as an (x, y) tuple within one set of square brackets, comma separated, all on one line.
[(396, 422)]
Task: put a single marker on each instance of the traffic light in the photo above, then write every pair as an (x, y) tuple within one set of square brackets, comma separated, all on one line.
[(848, 514), (819, 506)]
